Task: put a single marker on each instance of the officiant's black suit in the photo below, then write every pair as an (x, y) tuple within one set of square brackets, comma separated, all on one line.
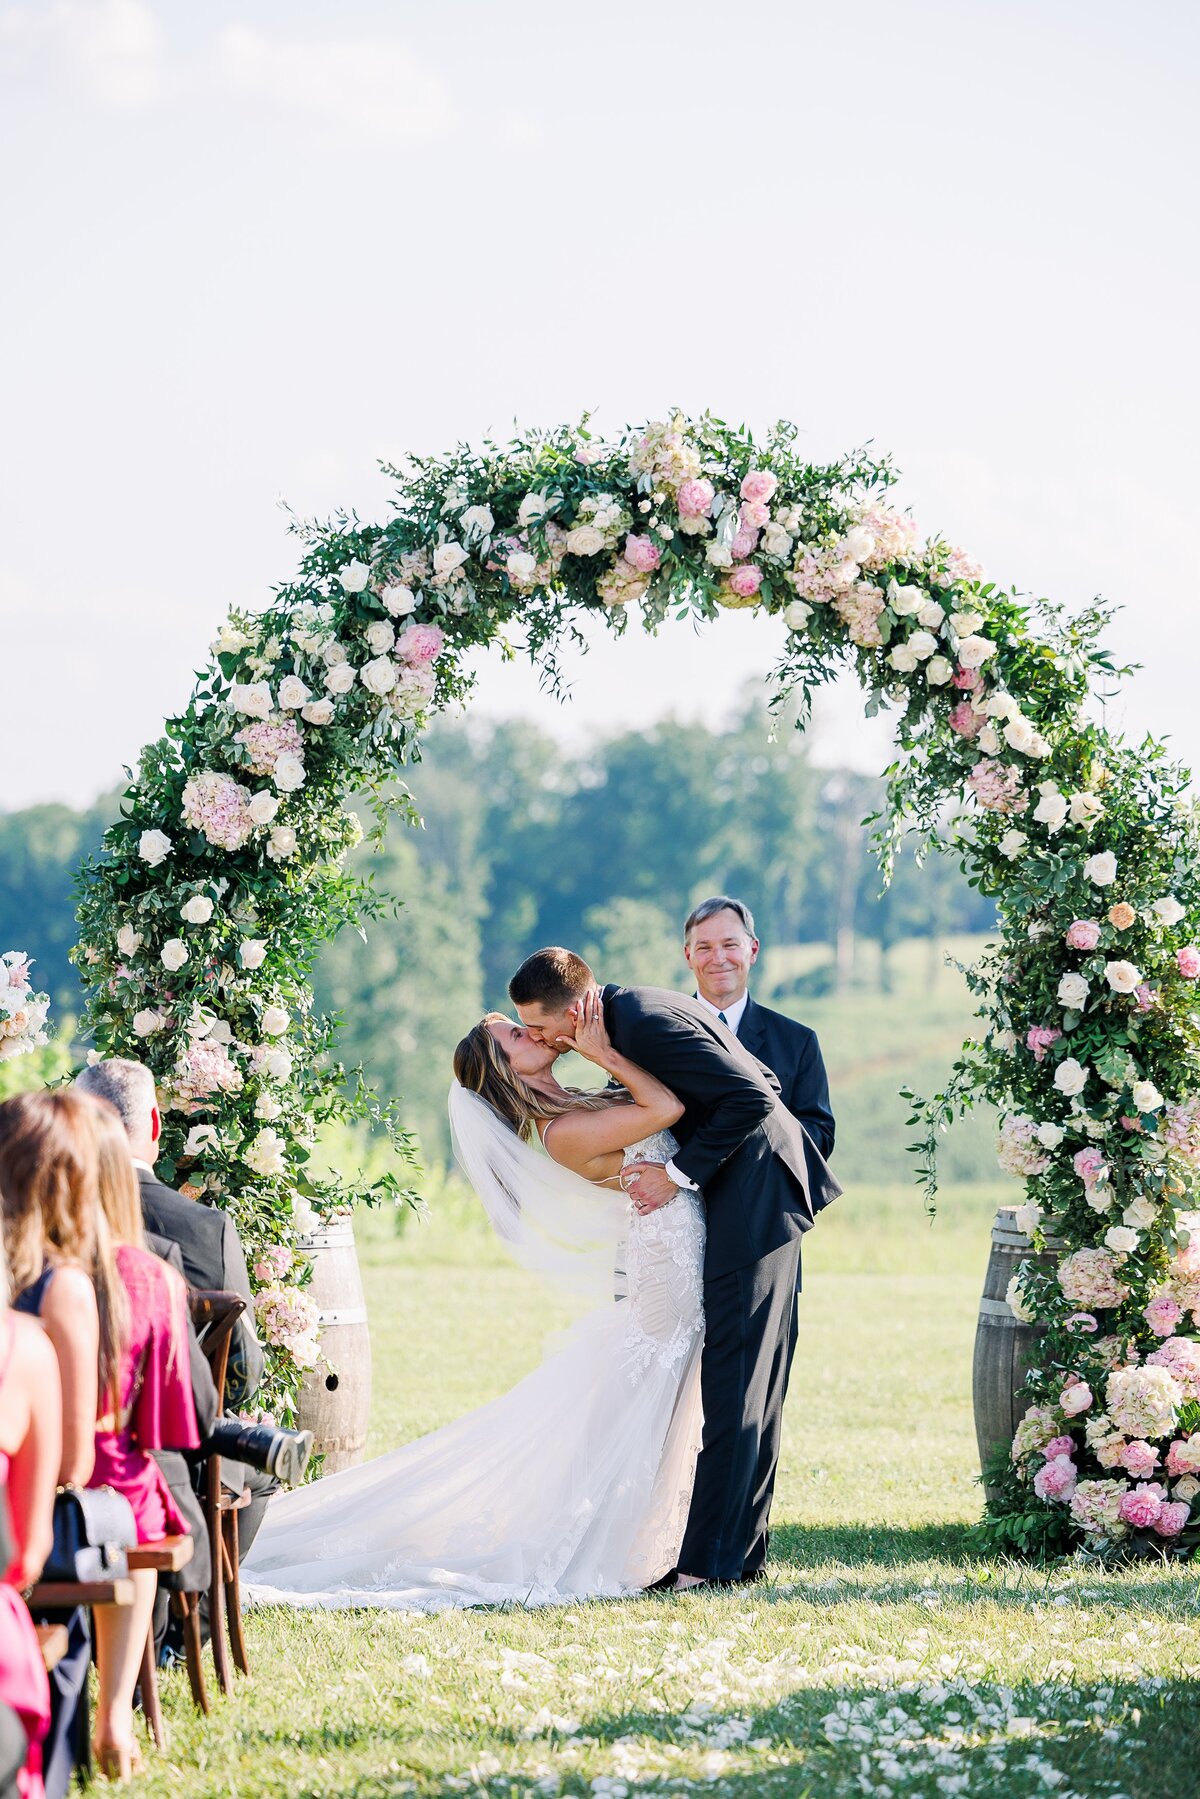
[(749, 1156)]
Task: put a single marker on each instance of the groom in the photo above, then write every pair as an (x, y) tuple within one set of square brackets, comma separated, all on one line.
[(741, 1146)]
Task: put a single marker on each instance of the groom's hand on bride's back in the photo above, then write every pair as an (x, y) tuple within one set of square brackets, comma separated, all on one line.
[(648, 1185)]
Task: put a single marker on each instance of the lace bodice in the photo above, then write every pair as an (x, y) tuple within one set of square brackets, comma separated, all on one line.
[(664, 1263)]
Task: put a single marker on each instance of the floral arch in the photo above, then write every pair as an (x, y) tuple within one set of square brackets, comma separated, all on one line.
[(200, 920)]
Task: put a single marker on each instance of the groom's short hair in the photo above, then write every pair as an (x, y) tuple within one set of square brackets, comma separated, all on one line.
[(550, 977)]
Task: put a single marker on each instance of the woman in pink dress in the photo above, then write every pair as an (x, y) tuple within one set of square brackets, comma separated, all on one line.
[(30, 1447)]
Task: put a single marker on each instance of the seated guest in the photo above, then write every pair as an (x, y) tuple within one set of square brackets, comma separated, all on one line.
[(30, 1451), (48, 1177)]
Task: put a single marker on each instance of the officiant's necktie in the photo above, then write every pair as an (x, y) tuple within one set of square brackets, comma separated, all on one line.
[(722, 1017)]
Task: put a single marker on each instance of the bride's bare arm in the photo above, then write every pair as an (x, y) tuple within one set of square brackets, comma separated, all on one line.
[(591, 1142)]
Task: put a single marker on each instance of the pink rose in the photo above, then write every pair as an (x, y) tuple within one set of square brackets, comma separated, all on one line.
[(967, 679), (745, 581), (1163, 1314), (1090, 1166), (1142, 1505), (745, 542), (1083, 934), (1075, 1398), (420, 643), (641, 553), (1188, 960), (1063, 1445), (696, 498), (758, 484), (1039, 1039), (754, 513), (1180, 1458), (1139, 1459), (1172, 1516)]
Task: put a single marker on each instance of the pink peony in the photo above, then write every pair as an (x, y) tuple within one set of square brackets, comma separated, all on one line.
[(745, 581), (1188, 960), (1056, 1478), (758, 484), (1038, 1040), (745, 542), (1075, 1397), (1172, 1516), (1139, 1459), (967, 679), (1083, 934), (1163, 1314), (1142, 1505), (1183, 1457), (696, 498), (755, 514), (641, 553), (965, 720), (420, 643), (1063, 1445)]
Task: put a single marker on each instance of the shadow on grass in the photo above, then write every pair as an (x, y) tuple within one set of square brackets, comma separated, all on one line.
[(806, 1546)]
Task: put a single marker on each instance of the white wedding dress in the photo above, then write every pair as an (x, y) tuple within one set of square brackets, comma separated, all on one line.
[(575, 1484)]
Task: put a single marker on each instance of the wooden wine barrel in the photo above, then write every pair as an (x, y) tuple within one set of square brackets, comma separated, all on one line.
[(1004, 1348), (335, 1400)]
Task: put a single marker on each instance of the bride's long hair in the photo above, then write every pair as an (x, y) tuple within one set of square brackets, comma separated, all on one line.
[(481, 1066)]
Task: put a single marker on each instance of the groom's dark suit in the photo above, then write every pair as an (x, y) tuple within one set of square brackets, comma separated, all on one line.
[(745, 1151)]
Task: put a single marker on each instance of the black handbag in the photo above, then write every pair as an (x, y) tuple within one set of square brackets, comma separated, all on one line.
[(93, 1528)]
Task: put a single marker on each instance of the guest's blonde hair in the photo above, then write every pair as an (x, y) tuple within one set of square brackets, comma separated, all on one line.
[(117, 1184)]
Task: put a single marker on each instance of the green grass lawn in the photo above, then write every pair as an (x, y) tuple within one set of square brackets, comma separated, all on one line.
[(883, 1658)]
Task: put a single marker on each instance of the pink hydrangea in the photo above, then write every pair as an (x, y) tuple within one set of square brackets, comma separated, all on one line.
[(1173, 1514), (268, 739), (996, 787), (218, 806), (745, 581), (896, 536), (641, 553), (1180, 1129), (1096, 1506), (1039, 1039), (1056, 1478), (1180, 1356), (419, 644), (1162, 1314), (1142, 1504), (758, 485), (1084, 933), (1139, 1459), (1037, 1428), (1146, 997), (204, 1070), (275, 1263), (965, 720), (967, 679), (859, 608), (958, 567), (1017, 1148), (1088, 1278), (696, 498), (1188, 961)]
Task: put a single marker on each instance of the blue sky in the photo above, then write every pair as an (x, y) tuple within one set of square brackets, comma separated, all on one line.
[(253, 248)]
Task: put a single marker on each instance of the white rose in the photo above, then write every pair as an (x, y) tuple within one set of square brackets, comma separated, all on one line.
[(229, 640), (477, 521), (1073, 991), (378, 676), (796, 615), (200, 1138), (905, 601), (966, 622), (332, 651), (340, 678), (278, 1063), (938, 670), (1101, 869), (1028, 1216), (154, 847), (1071, 1077), (251, 698), (174, 953), (1019, 734), (973, 652), (198, 910), (1168, 910), (775, 541), (288, 774), (533, 506), (700, 527), (129, 941), (1141, 1214), (399, 599), (932, 616), (1122, 977), (145, 1023), (219, 1031), (252, 952), (1146, 1096), (266, 1107), (281, 843), (1187, 1488), (1085, 808), (1121, 1239), (1051, 811), (1050, 1135), (354, 576), (989, 740), (858, 545), (585, 540), (264, 1153), (263, 807), (447, 557), (903, 658), (1012, 843), (317, 712), (1000, 705), (719, 555), (521, 566), (292, 693), (275, 1021), (1015, 1300), (923, 644)]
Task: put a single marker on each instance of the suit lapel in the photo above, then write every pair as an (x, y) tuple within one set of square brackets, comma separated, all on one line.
[(751, 1033)]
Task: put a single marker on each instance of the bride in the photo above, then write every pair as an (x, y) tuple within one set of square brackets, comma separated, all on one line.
[(576, 1483)]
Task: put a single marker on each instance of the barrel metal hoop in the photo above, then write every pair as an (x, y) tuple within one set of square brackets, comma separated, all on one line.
[(338, 1236), (349, 1315)]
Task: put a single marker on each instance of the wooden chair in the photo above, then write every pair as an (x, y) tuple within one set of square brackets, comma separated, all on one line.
[(214, 1315), (168, 1555)]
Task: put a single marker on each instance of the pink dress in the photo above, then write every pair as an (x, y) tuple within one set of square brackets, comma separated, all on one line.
[(23, 1682), (157, 1410)]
